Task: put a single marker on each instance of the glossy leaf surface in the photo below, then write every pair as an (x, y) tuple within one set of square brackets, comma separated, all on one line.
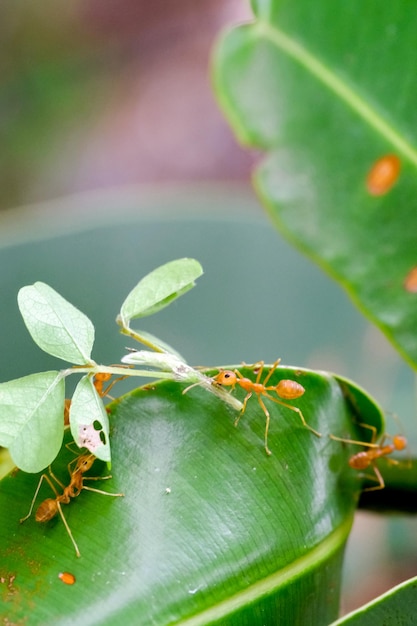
[(211, 530), (328, 94)]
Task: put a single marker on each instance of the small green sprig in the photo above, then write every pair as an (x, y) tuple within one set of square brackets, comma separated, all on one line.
[(32, 407)]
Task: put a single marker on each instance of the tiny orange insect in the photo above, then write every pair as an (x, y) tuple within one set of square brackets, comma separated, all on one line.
[(103, 377), (52, 506), (286, 389), (367, 458), (383, 175), (67, 578)]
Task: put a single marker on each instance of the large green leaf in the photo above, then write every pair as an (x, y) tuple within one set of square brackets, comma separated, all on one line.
[(211, 529), (327, 91)]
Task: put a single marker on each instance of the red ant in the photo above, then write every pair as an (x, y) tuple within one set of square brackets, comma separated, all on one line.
[(102, 377), (368, 458), (51, 506), (286, 389), (98, 381)]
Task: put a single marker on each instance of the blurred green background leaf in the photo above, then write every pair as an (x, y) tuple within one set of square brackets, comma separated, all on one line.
[(327, 94), (397, 608)]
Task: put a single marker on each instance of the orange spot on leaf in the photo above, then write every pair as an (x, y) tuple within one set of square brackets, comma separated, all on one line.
[(410, 282), (383, 175)]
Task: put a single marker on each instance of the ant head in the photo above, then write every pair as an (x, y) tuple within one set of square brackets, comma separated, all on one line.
[(102, 376), (84, 463), (400, 442), (225, 377)]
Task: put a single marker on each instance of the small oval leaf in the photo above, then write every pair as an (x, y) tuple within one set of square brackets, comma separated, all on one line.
[(55, 325), (88, 420), (159, 288), (32, 419)]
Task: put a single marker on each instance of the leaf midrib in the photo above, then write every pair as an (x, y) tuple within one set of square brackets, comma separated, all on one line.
[(328, 78)]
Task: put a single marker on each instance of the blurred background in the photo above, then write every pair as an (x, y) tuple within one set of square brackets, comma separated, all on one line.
[(97, 94), (115, 159)]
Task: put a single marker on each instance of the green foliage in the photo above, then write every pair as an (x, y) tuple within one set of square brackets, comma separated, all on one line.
[(31, 423), (319, 91), (163, 438), (56, 325), (398, 606), (32, 407), (326, 95), (211, 530), (159, 288)]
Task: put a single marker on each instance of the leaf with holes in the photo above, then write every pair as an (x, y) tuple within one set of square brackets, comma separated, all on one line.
[(32, 419), (56, 325), (89, 421), (330, 96)]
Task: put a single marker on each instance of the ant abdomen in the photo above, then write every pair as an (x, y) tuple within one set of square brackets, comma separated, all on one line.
[(289, 389), (46, 510)]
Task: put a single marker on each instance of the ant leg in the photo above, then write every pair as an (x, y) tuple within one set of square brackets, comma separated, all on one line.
[(255, 366), (258, 364), (77, 552), (56, 479), (70, 448), (296, 410), (104, 493), (105, 392), (187, 389), (52, 486), (43, 477), (271, 371), (265, 410), (260, 371), (381, 483), (359, 443), (245, 401), (393, 462), (239, 375), (373, 431)]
